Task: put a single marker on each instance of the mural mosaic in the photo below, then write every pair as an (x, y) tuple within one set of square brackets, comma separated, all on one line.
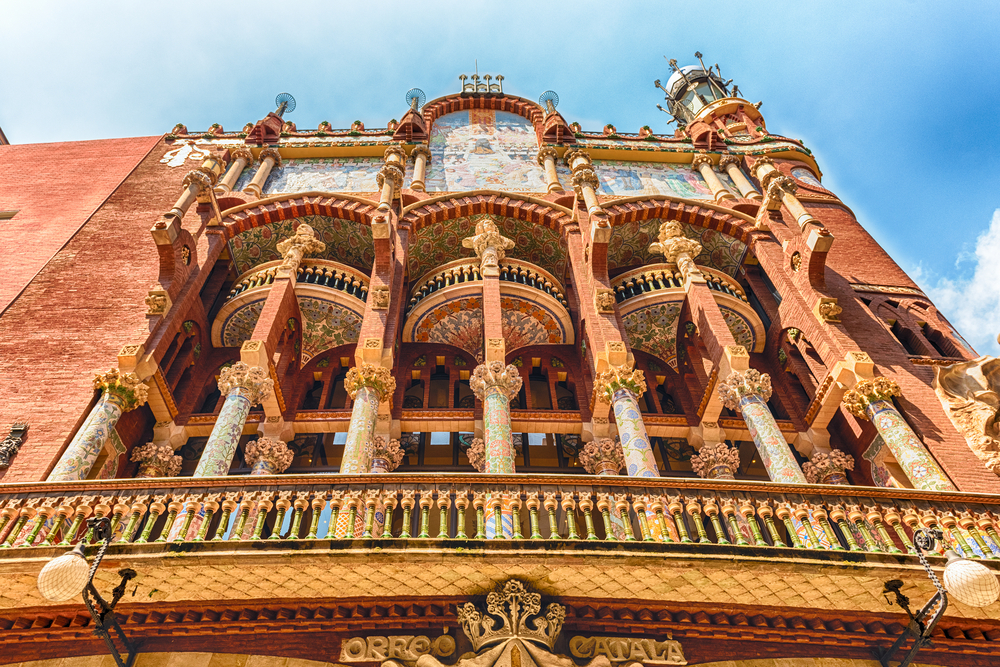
[(342, 174), (629, 246), (631, 179), (654, 330), (326, 325), (346, 242), (806, 176), (483, 149), (526, 323), (238, 327), (740, 328), (442, 242)]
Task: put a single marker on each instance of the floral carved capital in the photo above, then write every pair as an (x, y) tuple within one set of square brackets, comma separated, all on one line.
[(546, 153), (156, 460), (602, 457), (275, 454), (271, 152), (391, 173), (823, 466), (867, 392), (740, 385), (241, 153), (718, 461), (390, 452), (374, 377), (126, 388), (494, 375), (620, 377), (476, 454), (252, 382)]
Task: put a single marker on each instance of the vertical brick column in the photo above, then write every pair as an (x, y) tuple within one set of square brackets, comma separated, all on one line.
[(369, 386), (120, 393), (872, 399), (494, 385), (490, 248), (621, 387)]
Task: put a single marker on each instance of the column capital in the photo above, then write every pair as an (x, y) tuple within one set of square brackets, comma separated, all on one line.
[(829, 468), (506, 379), (203, 180), (718, 461), (125, 388), (620, 377), (295, 247), (762, 161), (577, 158), (251, 381), (271, 152), (602, 457), (374, 377), (490, 246), (388, 454), (546, 153), (476, 453), (395, 155), (867, 392), (585, 176), (701, 159), (740, 385), (729, 159), (268, 456), (157, 460), (391, 172), (420, 149), (241, 153)]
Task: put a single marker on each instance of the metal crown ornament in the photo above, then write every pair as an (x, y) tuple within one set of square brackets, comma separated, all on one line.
[(515, 606)]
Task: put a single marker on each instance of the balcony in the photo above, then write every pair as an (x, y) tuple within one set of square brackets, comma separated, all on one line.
[(467, 270), (667, 277)]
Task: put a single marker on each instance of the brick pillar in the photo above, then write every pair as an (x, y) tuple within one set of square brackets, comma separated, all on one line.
[(121, 393), (491, 249)]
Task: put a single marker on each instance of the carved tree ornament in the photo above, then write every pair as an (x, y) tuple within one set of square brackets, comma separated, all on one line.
[(602, 457), (252, 382), (677, 248), (970, 394), (156, 460), (489, 245), (739, 385), (718, 461), (867, 392), (828, 468), (374, 377), (297, 246), (506, 379)]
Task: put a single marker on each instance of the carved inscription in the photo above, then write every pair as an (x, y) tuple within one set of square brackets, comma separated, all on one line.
[(407, 647), (620, 649)]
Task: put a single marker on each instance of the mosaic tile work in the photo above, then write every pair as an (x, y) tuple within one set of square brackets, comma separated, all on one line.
[(739, 327), (526, 323), (442, 242), (875, 455), (806, 176), (82, 452), (343, 174), (496, 427), (774, 452), (631, 179), (346, 242), (654, 330), (639, 460), (221, 446), (484, 149), (629, 246), (363, 416), (238, 327), (326, 325), (916, 462)]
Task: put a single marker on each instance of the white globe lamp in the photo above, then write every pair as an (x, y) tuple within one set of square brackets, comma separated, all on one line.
[(971, 583), (64, 578)]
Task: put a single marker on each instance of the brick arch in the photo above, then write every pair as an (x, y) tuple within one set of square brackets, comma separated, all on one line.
[(268, 211), (726, 222), (518, 105), (449, 207)]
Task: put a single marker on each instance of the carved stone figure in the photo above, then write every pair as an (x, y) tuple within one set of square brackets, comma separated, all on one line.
[(489, 245), (970, 394), (677, 248), (295, 247)]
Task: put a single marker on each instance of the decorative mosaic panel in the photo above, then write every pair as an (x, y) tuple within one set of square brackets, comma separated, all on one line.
[(806, 176), (629, 246), (442, 242), (526, 323), (342, 174), (654, 330), (484, 149), (346, 242), (741, 329), (326, 325), (631, 179), (238, 327)]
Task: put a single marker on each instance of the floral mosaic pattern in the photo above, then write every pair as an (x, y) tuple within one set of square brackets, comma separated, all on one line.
[(654, 330), (483, 149), (639, 461), (629, 246), (875, 455), (774, 452), (86, 447), (923, 471), (496, 426), (221, 446), (442, 242), (326, 325), (346, 242), (238, 327), (360, 431), (343, 174), (739, 327), (525, 323), (631, 179)]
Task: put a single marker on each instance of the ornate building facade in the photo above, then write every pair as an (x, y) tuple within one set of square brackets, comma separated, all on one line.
[(334, 389)]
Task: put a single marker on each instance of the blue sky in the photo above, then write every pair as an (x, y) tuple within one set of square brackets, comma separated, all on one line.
[(898, 100)]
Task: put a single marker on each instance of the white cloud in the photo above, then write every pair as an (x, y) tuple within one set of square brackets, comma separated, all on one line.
[(972, 302)]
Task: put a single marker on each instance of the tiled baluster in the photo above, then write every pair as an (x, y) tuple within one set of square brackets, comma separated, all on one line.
[(748, 512), (211, 505), (784, 512), (264, 506), (912, 521), (532, 504), (461, 504), (857, 517), (352, 505), (46, 509), (390, 499), (765, 512), (839, 516), (950, 524), (371, 502), (515, 513), (604, 505), (228, 505), (801, 512), (101, 508), (894, 519), (247, 504), (821, 516), (693, 508), (986, 524), (407, 502), (190, 506), (621, 507), (300, 505), (426, 500), (118, 512), (479, 504), (875, 518), (444, 505), (639, 504), (711, 509), (729, 511), (174, 507), (62, 514), (966, 521), (156, 508), (496, 498), (336, 504), (929, 520), (587, 507), (317, 505), (550, 506), (8, 515), (657, 506), (283, 502), (676, 508)]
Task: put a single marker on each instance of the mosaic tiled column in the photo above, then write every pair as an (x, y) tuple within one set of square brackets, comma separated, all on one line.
[(622, 388), (872, 399), (748, 391), (121, 392), (494, 385), (156, 460), (829, 468), (368, 385), (718, 461), (384, 457), (243, 388)]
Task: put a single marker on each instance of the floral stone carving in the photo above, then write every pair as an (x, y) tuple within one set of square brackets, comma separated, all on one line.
[(605, 301), (740, 385), (602, 457), (295, 247), (828, 468), (970, 394), (129, 391), (374, 377), (384, 456), (156, 460), (252, 382), (867, 392), (489, 245), (268, 457), (620, 377), (505, 379), (514, 605), (476, 454), (718, 461)]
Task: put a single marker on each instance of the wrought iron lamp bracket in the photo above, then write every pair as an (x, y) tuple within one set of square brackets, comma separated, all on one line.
[(103, 613)]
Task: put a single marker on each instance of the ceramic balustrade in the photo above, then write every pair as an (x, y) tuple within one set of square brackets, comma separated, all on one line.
[(655, 277), (465, 270), (323, 272)]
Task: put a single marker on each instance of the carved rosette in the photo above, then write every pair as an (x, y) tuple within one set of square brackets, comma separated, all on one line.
[(384, 456), (740, 385), (252, 383), (377, 378), (602, 457), (828, 468), (718, 461), (380, 298), (124, 388), (268, 457), (867, 392), (494, 375), (156, 460), (617, 378), (489, 245), (297, 246)]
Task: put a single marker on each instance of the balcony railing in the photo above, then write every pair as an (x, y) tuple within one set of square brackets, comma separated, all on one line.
[(655, 277), (322, 272), (467, 270), (650, 513)]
